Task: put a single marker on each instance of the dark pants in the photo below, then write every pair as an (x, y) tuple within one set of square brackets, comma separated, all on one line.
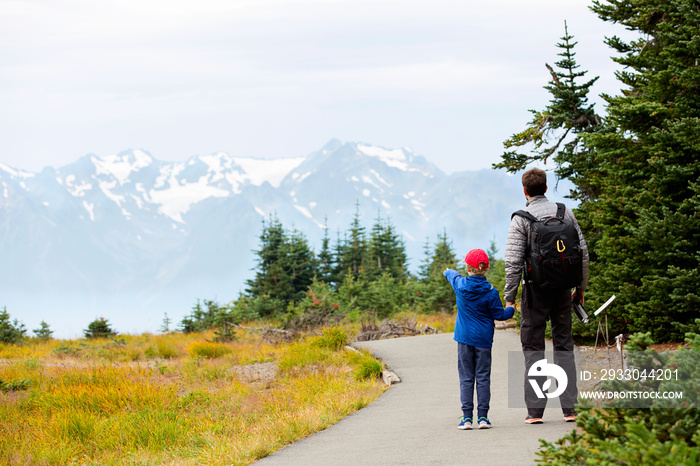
[(474, 366), (539, 306)]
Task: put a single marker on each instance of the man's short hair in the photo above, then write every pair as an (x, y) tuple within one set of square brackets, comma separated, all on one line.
[(535, 182)]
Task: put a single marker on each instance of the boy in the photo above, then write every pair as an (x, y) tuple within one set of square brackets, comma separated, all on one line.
[(478, 305)]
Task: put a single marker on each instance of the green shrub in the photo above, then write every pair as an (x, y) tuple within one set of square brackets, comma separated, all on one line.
[(162, 349), (333, 338), (366, 366), (208, 350), (10, 332), (618, 433), (99, 328), (14, 385)]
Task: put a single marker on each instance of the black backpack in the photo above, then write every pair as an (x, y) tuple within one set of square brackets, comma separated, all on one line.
[(554, 258)]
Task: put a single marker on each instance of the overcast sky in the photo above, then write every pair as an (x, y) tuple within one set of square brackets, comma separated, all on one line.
[(279, 78)]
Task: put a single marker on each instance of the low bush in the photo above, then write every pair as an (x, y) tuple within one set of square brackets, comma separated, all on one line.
[(366, 366), (621, 433), (208, 350), (333, 338)]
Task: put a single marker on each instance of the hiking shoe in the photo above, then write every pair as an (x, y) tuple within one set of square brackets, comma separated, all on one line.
[(465, 423), (484, 423), (569, 416), (533, 420)]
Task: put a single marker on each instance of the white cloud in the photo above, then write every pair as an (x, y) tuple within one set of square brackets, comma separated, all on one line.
[(278, 77)]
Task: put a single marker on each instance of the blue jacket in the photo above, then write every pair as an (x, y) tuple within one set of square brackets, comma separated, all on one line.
[(478, 305)]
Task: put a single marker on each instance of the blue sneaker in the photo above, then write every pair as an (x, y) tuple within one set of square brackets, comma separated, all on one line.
[(484, 423), (465, 423)]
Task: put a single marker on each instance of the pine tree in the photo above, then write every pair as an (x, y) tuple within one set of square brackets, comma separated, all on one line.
[(299, 264), (435, 292), (386, 251), (99, 328), (44, 332), (285, 266), (555, 131), (10, 332), (644, 225), (352, 252), (326, 262)]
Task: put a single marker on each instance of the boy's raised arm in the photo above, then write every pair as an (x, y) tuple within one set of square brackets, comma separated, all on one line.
[(451, 276)]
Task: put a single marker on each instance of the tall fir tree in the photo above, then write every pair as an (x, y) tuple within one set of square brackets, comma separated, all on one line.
[(386, 251), (645, 223), (326, 261), (285, 265), (637, 174), (435, 292), (554, 133), (353, 252)]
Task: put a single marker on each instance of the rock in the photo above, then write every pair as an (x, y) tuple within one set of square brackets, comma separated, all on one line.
[(389, 377)]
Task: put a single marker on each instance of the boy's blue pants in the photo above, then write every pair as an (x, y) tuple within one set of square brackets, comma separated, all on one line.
[(474, 365)]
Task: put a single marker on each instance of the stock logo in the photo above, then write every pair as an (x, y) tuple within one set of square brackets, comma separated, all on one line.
[(544, 369)]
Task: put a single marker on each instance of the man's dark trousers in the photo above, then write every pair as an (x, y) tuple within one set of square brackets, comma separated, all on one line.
[(539, 306)]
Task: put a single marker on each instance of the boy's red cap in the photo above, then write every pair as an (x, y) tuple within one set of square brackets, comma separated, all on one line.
[(476, 257)]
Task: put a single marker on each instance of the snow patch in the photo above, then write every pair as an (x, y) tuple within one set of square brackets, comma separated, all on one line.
[(77, 190), (366, 192), (217, 165), (305, 212), (271, 170), (106, 188), (393, 158), (15, 173), (379, 177), (90, 209), (298, 177), (260, 211), (178, 198), (369, 181), (120, 167)]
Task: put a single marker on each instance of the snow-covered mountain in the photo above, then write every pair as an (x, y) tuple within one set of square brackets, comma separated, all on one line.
[(129, 237)]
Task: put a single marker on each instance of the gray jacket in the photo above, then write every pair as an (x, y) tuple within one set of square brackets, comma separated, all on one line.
[(518, 239)]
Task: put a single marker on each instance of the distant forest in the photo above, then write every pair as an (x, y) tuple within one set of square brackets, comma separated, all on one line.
[(360, 273)]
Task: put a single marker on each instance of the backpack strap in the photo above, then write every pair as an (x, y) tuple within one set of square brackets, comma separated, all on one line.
[(525, 214), (561, 210)]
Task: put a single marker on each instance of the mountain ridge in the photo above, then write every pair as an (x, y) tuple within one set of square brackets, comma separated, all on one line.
[(138, 235)]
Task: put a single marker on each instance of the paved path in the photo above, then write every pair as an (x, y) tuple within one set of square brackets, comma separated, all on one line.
[(415, 422)]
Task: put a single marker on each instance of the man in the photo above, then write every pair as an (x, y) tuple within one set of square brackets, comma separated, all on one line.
[(542, 304)]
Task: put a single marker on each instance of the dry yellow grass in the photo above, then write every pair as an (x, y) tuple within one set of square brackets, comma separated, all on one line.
[(171, 399)]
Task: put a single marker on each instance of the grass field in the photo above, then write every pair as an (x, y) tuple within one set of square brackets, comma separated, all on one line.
[(174, 399), (178, 398)]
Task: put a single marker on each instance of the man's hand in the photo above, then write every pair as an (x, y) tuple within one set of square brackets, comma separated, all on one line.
[(578, 294), (511, 304)]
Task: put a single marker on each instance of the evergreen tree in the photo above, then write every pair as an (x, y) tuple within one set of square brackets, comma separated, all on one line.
[(435, 293), (167, 321), (555, 131), (271, 279), (99, 328), (10, 332), (326, 262), (44, 332), (637, 175), (285, 266), (200, 319), (355, 248), (299, 264), (386, 251), (644, 224)]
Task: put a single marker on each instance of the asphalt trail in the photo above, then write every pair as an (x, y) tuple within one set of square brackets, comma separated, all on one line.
[(415, 421)]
